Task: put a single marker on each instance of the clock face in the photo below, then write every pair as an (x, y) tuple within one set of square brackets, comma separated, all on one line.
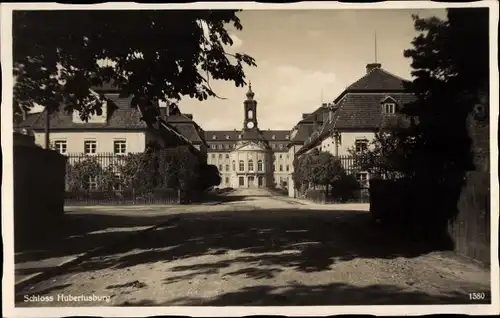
[(250, 125)]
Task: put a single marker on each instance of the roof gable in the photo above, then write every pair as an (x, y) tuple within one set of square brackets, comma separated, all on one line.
[(388, 99), (251, 146)]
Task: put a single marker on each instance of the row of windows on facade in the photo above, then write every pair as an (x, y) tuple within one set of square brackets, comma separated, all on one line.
[(228, 146), (260, 167), (214, 137), (90, 146), (274, 156), (359, 145)]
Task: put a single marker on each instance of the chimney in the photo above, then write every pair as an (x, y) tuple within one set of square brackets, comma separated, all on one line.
[(332, 108), (370, 67)]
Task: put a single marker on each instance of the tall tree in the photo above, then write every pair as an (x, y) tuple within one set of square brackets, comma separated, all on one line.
[(150, 54), (450, 61)]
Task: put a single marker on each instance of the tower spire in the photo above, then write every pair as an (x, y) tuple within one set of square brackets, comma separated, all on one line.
[(250, 93)]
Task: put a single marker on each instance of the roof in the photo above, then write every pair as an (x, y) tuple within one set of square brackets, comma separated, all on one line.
[(376, 80), (307, 125), (233, 135), (359, 107), (363, 110), (28, 121), (120, 116)]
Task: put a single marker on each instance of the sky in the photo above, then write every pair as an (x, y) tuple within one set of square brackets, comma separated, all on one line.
[(305, 58)]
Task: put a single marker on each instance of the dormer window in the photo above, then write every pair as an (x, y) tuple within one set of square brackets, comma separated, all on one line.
[(273, 137), (287, 137), (214, 137), (227, 136), (389, 108)]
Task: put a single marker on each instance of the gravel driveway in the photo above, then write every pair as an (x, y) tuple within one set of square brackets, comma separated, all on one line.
[(256, 250)]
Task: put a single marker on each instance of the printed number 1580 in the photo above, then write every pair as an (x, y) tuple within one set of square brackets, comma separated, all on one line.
[(477, 296)]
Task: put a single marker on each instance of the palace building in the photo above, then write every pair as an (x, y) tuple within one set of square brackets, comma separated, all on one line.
[(250, 157)]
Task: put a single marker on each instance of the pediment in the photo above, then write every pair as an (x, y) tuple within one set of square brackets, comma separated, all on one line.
[(251, 146), (389, 99)]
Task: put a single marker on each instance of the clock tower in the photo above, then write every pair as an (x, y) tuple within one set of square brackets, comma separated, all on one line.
[(250, 108)]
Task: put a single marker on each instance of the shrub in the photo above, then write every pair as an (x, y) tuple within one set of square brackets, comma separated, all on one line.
[(345, 188), (318, 196)]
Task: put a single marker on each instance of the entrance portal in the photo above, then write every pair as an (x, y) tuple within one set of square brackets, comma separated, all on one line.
[(251, 182)]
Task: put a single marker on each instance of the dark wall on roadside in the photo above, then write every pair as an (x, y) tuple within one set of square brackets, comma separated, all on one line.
[(39, 186), (453, 213)]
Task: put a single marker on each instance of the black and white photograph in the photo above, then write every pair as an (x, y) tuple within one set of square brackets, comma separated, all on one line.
[(250, 158)]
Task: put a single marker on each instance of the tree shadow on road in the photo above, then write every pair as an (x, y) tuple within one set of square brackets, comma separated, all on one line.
[(305, 241), (78, 233), (316, 295)]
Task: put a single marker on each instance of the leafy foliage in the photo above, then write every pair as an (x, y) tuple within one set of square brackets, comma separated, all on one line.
[(450, 61), (388, 155), (58, 55), (80, 175), (210, 176), (320, 168), (143, 173)]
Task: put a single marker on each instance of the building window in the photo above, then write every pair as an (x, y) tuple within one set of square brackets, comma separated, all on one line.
[(250, 165), (288, 156), (212, 146), (214, 137), (227, 156), (274, 137), (226, 146), (389, 108), (281, 146), (250, 114), (220, 156), (281, 167), (227, 180), (287, 137), (227, 136), (92, 183), (281, 156), (234, 165), (260, 181), (120, 147), (274, 146), (239, 136), (259, 165), (362, 178), (242, 165), (242, 181), (220, 146), (220, 167), (213, 156), (361, 145), (61, 146), (287, 168), (274, 167), (90, 146), (227, 167)]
